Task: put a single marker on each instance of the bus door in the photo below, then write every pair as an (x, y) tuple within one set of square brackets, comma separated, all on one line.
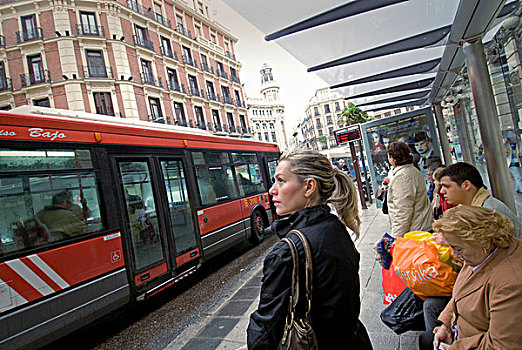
[(184, 248), (142, 224)]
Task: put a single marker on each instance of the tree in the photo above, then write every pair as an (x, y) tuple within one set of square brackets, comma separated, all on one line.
[(353, 115)]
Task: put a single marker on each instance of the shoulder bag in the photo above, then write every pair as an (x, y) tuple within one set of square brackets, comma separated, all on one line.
[(298, 333)]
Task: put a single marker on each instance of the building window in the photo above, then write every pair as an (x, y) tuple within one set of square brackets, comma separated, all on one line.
[(225, 91), (200, 119), (187, 55), (173, 82), (36, 71), (242, 122), (95, 64), (213, 38), (204, 63), (179, 24), (266, 136), (88, 23), (142, 37), (211, 93), (180, 114), (397, 111), (197, 30), (327, 108), (103, 103), (260, 136), (216, 120), (158, 13), (274, 139), (201, 8), (387, 114), (42, 102), (230, 121), (166, 48), (155, 110), (337, 109), (316, 110), (146, 71), (3, 77), (29, 28), (193, 84)]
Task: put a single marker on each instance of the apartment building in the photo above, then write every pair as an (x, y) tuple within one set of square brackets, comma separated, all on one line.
[(163, 61), (266, 113)]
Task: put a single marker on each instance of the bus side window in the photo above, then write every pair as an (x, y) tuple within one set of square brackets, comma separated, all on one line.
[(39, 207)]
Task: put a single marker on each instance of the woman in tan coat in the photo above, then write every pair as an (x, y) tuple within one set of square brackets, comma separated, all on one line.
[(409, 207), (485, 311)]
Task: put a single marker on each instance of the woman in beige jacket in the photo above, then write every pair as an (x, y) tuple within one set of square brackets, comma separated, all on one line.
[(485, 311), (408, 203)]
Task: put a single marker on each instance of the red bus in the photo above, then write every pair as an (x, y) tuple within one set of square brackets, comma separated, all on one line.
[(97, 213)]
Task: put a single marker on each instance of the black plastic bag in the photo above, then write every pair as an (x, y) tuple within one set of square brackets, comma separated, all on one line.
[(404, 313)]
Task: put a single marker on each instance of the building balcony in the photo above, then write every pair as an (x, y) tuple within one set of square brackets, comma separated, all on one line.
[(173, 85), (146, 43), (230, 55), (158, 119), (149, 79), (201, 125), (196, 92), (222, 74), (240, 103), (87, 30), (228, 99), (41, 77), (218, 127), (134, 6), (5, 84), (29, 35), (167, 51), (235, 79), (160, 19), (92, 72), (207, 68), (232, 129), (213, 97), (180, 122), (181, 29), (190, 61)]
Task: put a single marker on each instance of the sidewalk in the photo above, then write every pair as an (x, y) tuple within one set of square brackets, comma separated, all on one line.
[(225, 327)]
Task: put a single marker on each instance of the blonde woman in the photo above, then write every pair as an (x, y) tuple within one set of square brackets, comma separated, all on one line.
[(305, 183), (485, 311)]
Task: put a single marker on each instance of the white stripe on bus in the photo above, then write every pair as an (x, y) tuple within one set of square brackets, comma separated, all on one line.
[(48, 271), (9, 298), (30, 277)]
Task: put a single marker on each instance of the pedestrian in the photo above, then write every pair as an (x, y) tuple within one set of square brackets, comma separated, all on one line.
[(461, 183), (305, 183), (513, 149), (484, 311), (408, 204)]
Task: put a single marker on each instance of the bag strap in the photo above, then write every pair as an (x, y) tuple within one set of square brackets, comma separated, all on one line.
[(308, 268), (294, 289)]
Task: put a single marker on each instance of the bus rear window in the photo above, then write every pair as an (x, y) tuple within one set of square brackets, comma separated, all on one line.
[(13, 160)]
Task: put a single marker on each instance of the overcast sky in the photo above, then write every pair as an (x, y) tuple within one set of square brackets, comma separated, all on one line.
[(297, 86)]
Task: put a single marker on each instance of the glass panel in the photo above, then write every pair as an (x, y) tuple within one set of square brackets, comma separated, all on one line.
[(244, 158), (272, 165), (216, 184), (181, 220), (210, 158), (34, 160), (141, 211), (41, 209)]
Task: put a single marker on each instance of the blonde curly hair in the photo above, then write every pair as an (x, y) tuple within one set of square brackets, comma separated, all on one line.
[(333, 186), (476, 225)]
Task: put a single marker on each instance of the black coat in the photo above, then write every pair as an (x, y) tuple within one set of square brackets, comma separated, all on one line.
[(335, 294)]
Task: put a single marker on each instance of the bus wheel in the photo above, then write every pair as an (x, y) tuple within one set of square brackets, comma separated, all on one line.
[(257, 229)]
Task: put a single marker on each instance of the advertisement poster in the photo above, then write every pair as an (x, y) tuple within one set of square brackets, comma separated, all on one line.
[(415, 128)]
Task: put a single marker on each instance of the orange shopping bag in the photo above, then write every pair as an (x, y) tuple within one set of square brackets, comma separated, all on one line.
[(418, 265)]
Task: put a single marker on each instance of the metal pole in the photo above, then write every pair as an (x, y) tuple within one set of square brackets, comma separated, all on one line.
[(443, 136), (463, 132), (489, 124), (366, 182), (357, 175)]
